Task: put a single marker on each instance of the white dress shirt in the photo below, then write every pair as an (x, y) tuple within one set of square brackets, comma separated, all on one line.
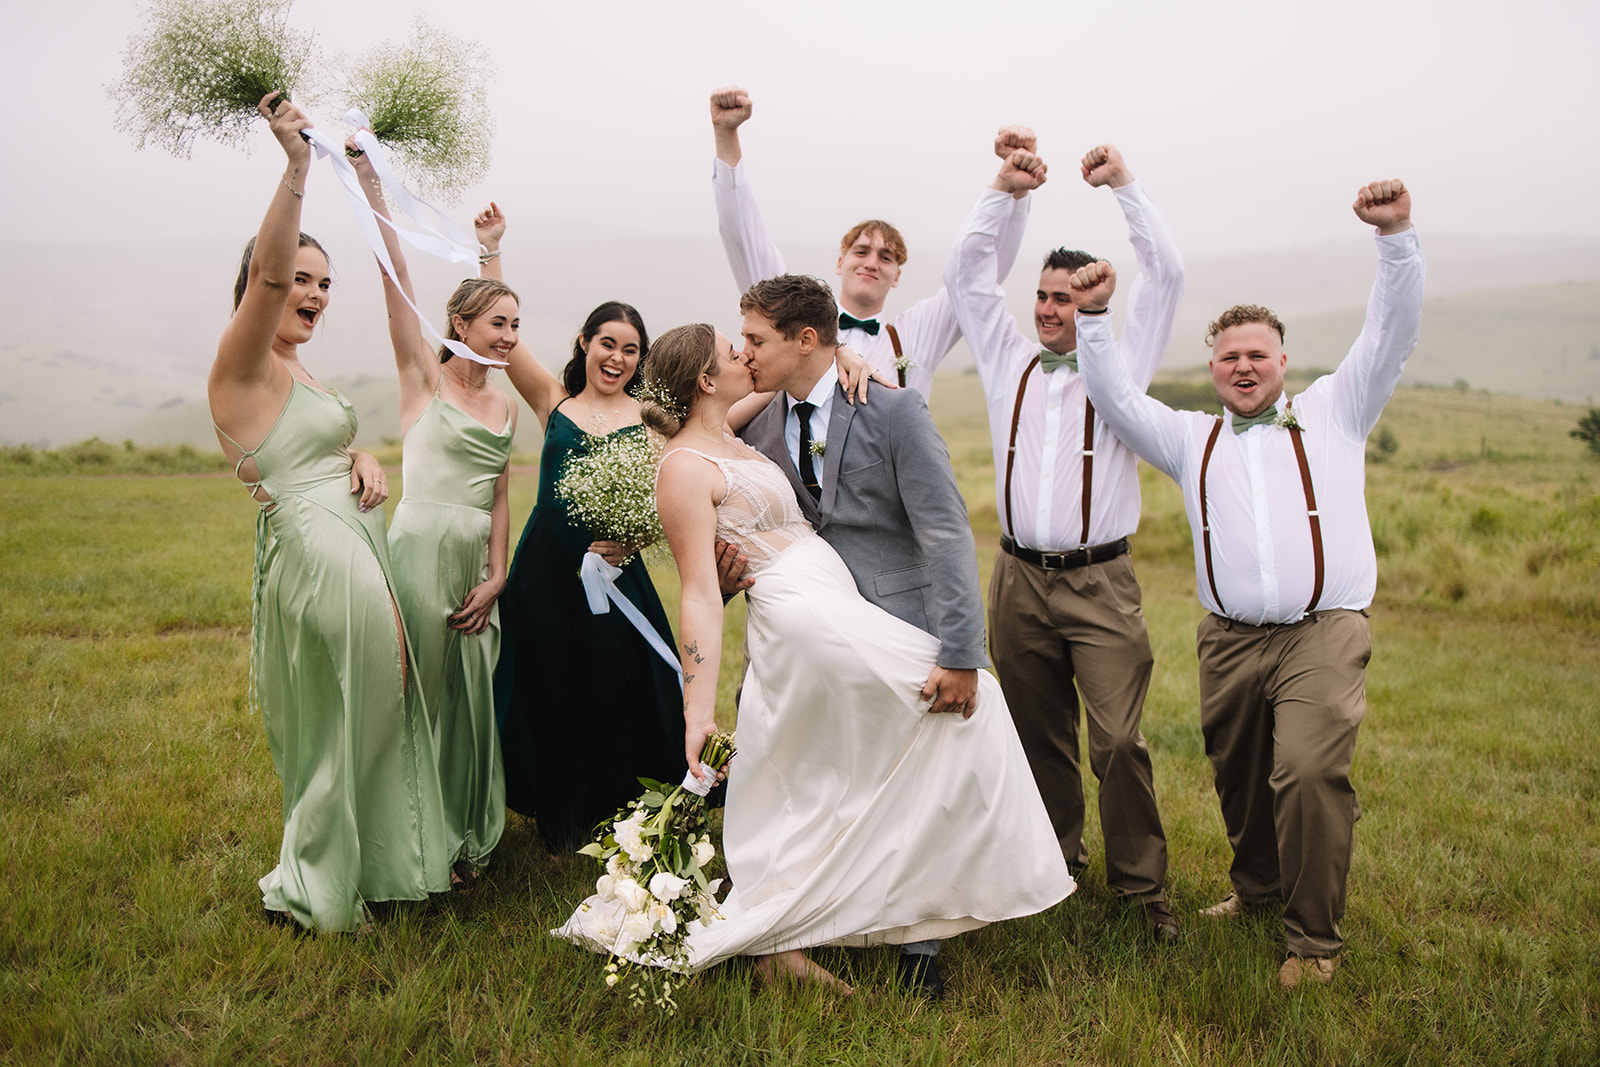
[(927, 328), (1260, 533), (821, 395), (1047, 474)]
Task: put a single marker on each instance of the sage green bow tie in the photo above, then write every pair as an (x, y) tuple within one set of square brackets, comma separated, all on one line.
[(1051, 360), (1241, 423)]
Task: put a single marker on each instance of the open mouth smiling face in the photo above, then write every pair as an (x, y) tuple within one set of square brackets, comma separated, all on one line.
[(611, 356), (1247, 365), (309, 297)]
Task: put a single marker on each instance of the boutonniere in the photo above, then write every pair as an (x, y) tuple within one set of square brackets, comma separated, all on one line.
[(819, 446), (903, 363), (1287, 420)]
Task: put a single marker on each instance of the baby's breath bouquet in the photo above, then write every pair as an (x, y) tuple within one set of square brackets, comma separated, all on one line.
[(654, 887), (427, 101), (201, 67), (612, 489)]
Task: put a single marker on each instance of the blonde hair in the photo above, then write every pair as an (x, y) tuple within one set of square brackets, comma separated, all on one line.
[(671, 380), (472, 298)]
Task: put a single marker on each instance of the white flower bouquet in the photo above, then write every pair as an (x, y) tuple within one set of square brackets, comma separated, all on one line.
[(654, 887), (611, 489)]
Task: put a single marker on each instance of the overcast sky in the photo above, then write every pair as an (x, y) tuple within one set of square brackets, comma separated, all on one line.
[(1252, 123)]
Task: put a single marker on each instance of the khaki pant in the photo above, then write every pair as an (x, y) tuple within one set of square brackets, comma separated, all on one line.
[(1048, 629), (1279, 708)]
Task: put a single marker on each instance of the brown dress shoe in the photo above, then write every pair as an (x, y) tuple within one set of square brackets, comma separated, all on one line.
[(1158, 917), (1310, 970), (1231, 907)]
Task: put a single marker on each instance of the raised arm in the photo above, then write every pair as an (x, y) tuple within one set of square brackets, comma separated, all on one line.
[(1154, 431), (751, 253), (1370, 372), (971, 275), (532, 379), (414, 359), (687, 489), (1153, 297), (244, 353)]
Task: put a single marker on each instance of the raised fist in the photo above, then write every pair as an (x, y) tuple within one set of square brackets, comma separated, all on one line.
[(730, 107), (1104, 166), (1021, 172), (1093, 285), (1011, 138), (1386, 205)]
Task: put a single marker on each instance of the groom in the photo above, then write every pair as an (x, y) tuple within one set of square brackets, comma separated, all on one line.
[(875, 480)]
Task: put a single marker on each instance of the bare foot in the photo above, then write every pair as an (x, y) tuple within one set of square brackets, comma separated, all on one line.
[(794, 966)]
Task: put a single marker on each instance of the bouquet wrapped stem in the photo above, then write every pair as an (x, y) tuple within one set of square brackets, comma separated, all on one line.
[(654, 887)]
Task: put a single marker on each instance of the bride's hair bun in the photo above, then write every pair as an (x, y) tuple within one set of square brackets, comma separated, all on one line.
[(677, 359)]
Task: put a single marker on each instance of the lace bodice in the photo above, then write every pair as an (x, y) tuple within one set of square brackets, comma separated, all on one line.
[(759, 514)]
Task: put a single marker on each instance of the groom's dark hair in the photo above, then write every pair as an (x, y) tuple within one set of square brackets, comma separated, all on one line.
[(791, 302)]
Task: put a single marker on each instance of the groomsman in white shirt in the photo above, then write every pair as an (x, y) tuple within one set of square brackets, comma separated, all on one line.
[(908, 348), (1285, 565), (1064, 603)]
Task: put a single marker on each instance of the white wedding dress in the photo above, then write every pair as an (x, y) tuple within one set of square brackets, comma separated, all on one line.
[(854, 816)]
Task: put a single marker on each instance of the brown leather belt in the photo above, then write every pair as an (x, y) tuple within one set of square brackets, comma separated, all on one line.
[(1065, 561)]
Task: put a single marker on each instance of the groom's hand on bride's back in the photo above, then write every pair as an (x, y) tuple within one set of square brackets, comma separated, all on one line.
[(731, 567)]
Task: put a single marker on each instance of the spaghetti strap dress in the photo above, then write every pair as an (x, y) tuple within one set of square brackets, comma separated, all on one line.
[(362, 814), (439, 549), (854, 816), (586, 707)]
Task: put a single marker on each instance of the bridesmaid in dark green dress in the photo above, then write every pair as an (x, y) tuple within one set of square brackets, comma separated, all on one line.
[(585, 706)]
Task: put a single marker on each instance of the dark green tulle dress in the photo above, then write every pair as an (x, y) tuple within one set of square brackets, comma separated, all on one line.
[(585, 706)]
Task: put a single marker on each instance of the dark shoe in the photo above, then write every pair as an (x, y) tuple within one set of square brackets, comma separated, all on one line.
[(1158, 917), (919, 975)]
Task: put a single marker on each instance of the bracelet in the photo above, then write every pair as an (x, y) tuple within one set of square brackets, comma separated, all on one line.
[(1086, 311), (297, 195), (485, 257)]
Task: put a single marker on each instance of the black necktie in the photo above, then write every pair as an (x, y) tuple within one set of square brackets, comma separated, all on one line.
[(848, 321), (808, 473)]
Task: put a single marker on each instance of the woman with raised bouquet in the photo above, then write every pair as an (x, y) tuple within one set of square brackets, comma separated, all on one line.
[(854, 816)]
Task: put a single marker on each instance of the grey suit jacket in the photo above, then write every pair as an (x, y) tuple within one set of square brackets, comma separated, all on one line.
[(891, 509)]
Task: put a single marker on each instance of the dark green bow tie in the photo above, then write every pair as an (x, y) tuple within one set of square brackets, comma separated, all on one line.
[(1051, 360), (848, 321), (1241, 423)]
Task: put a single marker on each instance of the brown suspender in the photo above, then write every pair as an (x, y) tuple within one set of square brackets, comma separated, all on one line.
[(1011, 446), (1311, 512), (894, 341), (1088, 452), (1205, 513)]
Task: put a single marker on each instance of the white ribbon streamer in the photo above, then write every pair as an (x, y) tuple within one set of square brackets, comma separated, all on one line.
[(600, 587), (696, 786), (443, 237), (333, 151)]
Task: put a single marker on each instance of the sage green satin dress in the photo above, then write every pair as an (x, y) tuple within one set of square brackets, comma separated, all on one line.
[(439, 548), (362, 815)]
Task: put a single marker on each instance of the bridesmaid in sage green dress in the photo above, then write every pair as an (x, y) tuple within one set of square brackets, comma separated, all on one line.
[(362, 815), (449, 534)]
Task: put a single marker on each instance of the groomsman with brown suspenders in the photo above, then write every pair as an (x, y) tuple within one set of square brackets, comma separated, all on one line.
[(1064, 603), (908, 348), (1284, 562)]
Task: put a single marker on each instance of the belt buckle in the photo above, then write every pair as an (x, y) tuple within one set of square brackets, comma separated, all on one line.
[(1053, 561)]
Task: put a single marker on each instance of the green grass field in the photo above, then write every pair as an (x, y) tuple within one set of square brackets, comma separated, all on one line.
[(139, 806)]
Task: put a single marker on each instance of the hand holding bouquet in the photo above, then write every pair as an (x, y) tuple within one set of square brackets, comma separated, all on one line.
[(611, 489), (655, 853)]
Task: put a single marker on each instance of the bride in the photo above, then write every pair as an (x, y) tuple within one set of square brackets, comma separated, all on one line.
[(854, 817)]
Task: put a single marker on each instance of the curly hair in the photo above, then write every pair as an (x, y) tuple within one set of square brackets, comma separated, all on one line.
[(892, 240), (677, 360), (792, 302), (472, 298), (1239, 315)]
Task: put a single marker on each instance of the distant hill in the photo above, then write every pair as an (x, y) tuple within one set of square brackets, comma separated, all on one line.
[(116, 340)]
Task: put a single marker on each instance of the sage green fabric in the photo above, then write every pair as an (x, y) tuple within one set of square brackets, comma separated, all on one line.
[(1054, 360), (439, 547), (362, 818)]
